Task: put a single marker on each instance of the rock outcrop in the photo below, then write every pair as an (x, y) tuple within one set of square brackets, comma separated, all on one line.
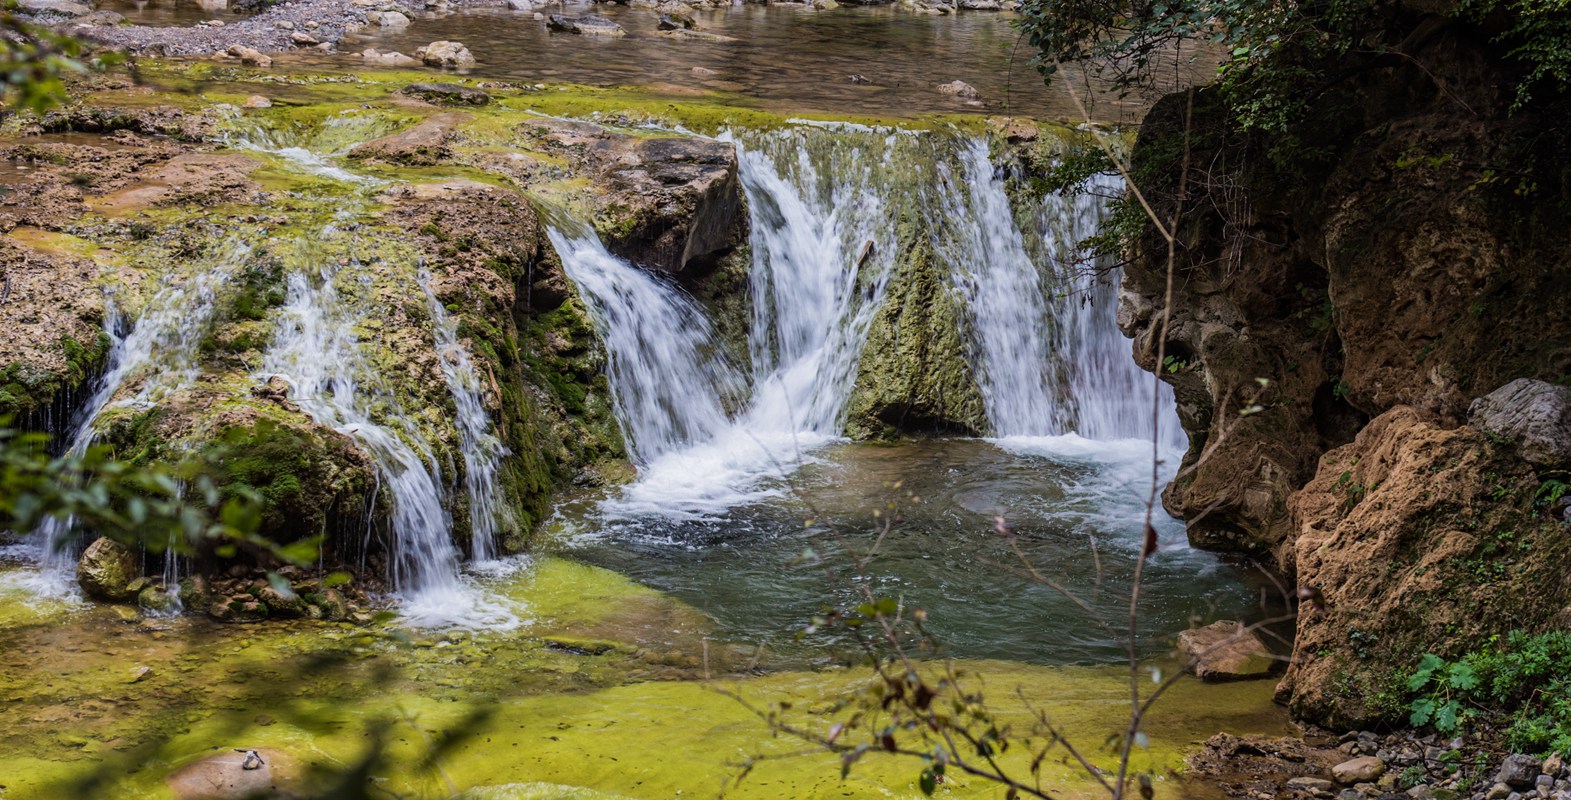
[(1377, 272)]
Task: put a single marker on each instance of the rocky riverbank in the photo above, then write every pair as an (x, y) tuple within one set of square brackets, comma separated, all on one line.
[(1362, 765)]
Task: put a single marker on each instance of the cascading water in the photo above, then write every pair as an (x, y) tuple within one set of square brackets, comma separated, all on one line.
[(1049, 357), (160, 351), (829, 208), (482, 450), (821, 261), (669, 383)]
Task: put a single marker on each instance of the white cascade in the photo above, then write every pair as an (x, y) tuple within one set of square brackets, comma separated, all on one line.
[(316, 351), (1047, 353), (668, 382), (481, 449), (822, 249), (159, 350)]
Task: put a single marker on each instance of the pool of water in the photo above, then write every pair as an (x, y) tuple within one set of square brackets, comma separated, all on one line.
[(851, 60), (1074, 508)]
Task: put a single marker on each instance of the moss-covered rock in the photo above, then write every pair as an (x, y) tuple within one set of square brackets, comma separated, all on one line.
[(914, 376), (106, 570)]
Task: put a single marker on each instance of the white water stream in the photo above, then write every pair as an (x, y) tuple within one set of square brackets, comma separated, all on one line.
[(159, 350), (1055, 374)]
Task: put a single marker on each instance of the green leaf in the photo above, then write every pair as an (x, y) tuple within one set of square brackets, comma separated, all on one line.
[(1447, 716), (1423, 710), (1461, 676), (927, 782)]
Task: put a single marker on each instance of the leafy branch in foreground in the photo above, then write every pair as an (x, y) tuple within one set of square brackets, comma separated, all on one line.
[(35, 60), (185, 506)]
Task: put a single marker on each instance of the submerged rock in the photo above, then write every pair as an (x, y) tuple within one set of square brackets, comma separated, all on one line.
[(448, 93), (1534, 415), (391, 58), (587, 25), (231, 774), (423, 144), (960, 89), (446, 54), (1225, 651), (106, 570)]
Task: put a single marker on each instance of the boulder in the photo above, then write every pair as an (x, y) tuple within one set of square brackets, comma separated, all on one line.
[(1519, 771), (960, 89), (446, 93), (1358, 770), (389, 19), (100, 18), (587, 25), (158, 600), (303, 39), (250, 56), (257, 101), (106, 570), (674, 21), (1535, 415), (391, 58), (57, 8), (446, 54), (280, 604), (1224, 651)]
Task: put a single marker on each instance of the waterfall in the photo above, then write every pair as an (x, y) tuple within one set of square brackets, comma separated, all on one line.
[(1048, 355), (822, 251), (831, 207), (159, 350), (481, 449), (317, 351), (669, 384)]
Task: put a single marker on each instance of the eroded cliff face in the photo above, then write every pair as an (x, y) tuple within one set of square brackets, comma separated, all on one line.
[(1415, 259)]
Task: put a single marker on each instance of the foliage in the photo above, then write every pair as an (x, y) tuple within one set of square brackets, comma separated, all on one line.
[(35, 60), (1278, 58), (1537, 34), (1522, 683), (153, 506)]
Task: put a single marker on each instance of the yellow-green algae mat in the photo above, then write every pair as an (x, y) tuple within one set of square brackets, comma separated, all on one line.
[(598, 694)]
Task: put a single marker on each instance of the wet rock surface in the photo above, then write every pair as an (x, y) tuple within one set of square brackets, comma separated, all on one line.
[(1225, 651)]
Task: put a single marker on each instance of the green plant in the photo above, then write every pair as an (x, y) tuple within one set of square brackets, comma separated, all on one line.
[(1443, 685), (1521, 683)]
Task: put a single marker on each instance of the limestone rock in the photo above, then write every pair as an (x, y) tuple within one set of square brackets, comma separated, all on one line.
[(158, 600), (1519, 771), (1224, 651), (587, 25), (100, 18), (257, 101), (960, 89), (391, 58), (106, 570), (422, 145), (1315, 786), (58, 8), (390, 19), (674, 21), (251, 56), (303, 39), (1403, 532), (1358, 770), (1535, 415), (448, 93), (446, 54)]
